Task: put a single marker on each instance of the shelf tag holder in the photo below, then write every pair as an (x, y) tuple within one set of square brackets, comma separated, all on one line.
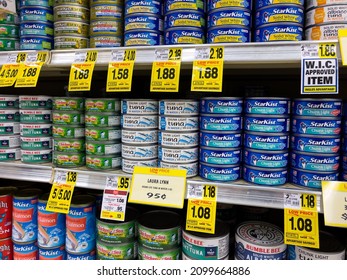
[(10, 70)]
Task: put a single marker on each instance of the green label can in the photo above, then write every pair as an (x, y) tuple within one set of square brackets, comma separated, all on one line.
[(68, 160), (40, 102), (9, 116), (7, 128), (9, 44), (104, 119), (103, 105), (10, 154), (167, 255), (103, 148), (35, 116), (9, 30), (68, 131), (36, 143), (8, 18), (103, 134), (71, 28), (40, 156), (120, 251), (69, 145), (103, 162), (35, 130), (11, 141), (68, 103), (68, 117), (9, 102)]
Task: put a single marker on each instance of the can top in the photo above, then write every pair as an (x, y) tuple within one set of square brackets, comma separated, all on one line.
[(328, 243), (326, 173), (160, 219), (7, 190), (82, 200), (221, 229), (318, 100), (27, 193), (44, 197)]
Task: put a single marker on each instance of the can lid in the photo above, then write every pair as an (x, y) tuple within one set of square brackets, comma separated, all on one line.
[(160, 219), (329, 243), (82, 199), (7, 190), (27, 193)]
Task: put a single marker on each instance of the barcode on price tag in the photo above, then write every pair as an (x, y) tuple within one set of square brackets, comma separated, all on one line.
[(202, 53), (292, 200), (117, 55), (60, 177), (12, 58), (194, 192), (80, 57)]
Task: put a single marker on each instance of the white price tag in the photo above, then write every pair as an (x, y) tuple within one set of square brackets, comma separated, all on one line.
[(60, 177), (12, 58), (292, 200), (161, 54), (202, 53), (309, 51), (80, 57), (195, 192), (117, 55)]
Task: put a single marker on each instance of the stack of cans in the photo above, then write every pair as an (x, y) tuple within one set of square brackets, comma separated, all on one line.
[(315, 141), (220, 138), (103, 133), (68, 132), (106, 23), (35, 117), (36, 25), (343, 153), (9, 32), (266, 140), (179, 135), (139, 123)]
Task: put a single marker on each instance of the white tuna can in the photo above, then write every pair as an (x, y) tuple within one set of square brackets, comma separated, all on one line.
[(139, 121), (183, 155), (139, 106), (129, 164), (184, 107), (139, 152), (192, 167), (143, 137), (178, 139), (178, 123)]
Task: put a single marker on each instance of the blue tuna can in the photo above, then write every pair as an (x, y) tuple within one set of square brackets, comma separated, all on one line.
[(311, 179), (267, 105), (36, 43), (344, 144), (220, 156), (220, 122), (268, 124), (142, 38), (266, 141), (220, 139), (52, 254), (278, 32), (140, 6), (315, 162), (316, 126), (184, 35), (265, 159), (228, 34), (344, 162), (216, 4), (89, 256), (36, 29), (317, 107), (173, 5), (315, 144), (221, 105), (143, 21), (229, 16), (262, 3), (184, 18), (265, 176), (219, 173), (36, 14)]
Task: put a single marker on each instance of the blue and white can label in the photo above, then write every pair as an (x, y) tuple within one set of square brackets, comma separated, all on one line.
[(216, 4), (315, 162), (139, 136), (171, 123), (139, 106), (228, 34), (89, 256), (192, 168), (178, 107), (178, 139), (317, 107), (222, 105), (139, 121), (173, 5), (267, 106), (218, 156), (219, 173), (316, 126), (140, 6), (184, 35), (220, 122), (142, 38), (266, 141), (265, 159), (220, 139), (143, 21), (229, 16), (172, 155), (315, 144), (265, 176), (262, 3), (268, 124), (184, 18), (279, 32), (311, 179), (51, 254)]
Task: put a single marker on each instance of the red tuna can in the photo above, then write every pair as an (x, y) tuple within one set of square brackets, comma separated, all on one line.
[(6, 197), (6, 249), (25, 251)]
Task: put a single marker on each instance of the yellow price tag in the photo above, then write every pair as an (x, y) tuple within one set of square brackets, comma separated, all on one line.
[(327, 50), (119, 76), (123, 183), (59, 199), (28, 75), (201, 215), (210, 192), (110, 215), (71, 177), (308, 202), (21, 57), (8, 74)]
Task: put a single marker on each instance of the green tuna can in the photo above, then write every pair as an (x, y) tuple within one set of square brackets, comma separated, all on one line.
[(11, 141), (9, 30), (101, 163), (35, 116), (70, 42), (10, 154), (120, 251), (68, 131), (102, 133), (9, 102), (69, 145), (70, 13), (40, 156), (103, 148), (106, 27), (167, 255), (36, 143), (9, 115), (68, 160), (68, 103), (40, 102), (68, 117), (102, 105), (72, 28), (9, 128), (102, 119), (84, 3), (35, 130), (8, 18), (9, 44)]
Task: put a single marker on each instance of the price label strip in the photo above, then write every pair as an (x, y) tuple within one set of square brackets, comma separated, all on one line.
[(202, 208), (120, 71), (59, 199), (208, 69), (166, 70), (81, 71), (158, 186), (319, 69), (10, 70)]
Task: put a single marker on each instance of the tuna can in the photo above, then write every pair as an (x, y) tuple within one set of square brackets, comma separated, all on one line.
[(218, 156), (266, 141), (139, 121), (70, 42), (68, 159), (69, 145), (140, 106), (35, 130), (265, 176), (6, 201), (119, 251), (191, 168), (68, 117), (308, 107), (330, 248), (36, 13), (37, 102), (24, 215), (9, 102), (9, 30), (265, 159), (228, 34), (72, 28), (255, 240), (36, 29), (262, 3), (70, 13), (89, 256), (68, 131), (159, 230), (104, 41), (205, 246), (316, 126), (178, 155), (139, 152), (102, 105), (279, 32), (317, 3), (36, 43), (143, 38), (315, 162), (184, 18), (106, 162), (25, 251), (139, 137), (326, 14), (213, 122), (129, 164), (184, 35), (344, 162), (267, 105), (103, 148), (221, 105), (178, 139), (215, 4), (52, 254), (10, 154), (185, 257), (102, 133), (41, 156), (179, 107), (344, 143), (103, 119), (35, 116), (84, 3), (315, 144), (9, 142), (220, 139), (311, 179), (9, 128), (106, 11), (9, 44), (8, 18), (268, 124), (106, 27), (36, 143), (138, 6), (325, 31), (178, 123), (167, 255), (51, 226), (81, 225), (6, 249), (9, 115), (220, 173), (143, 21), (68, 103), (42, 3), (229, 16), (173, 5)]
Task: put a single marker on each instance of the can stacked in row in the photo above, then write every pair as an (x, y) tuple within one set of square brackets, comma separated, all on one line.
[(36, 128), (71, 24), (9, 128), (9, 31), (106, 23), (139, 123), (220, 138), (179, 135), (103, 133), (315, 141), (343, 152), (68, 132), (266, 140), (36, 25)]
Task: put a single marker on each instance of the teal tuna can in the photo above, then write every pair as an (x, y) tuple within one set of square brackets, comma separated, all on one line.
[(36, 43), (34, 28)]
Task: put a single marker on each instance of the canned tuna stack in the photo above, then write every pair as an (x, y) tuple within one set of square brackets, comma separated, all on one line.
[(220, 138), (139, 123), (343, 153), (9, 32), (106, 23), (103, 146), (184, 22), (68, 132), (179, 135), (143, 23), (71, 24), (281, 20), (229, 21), (36, 24), (9, 128), (36, 126), (315, 141)]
